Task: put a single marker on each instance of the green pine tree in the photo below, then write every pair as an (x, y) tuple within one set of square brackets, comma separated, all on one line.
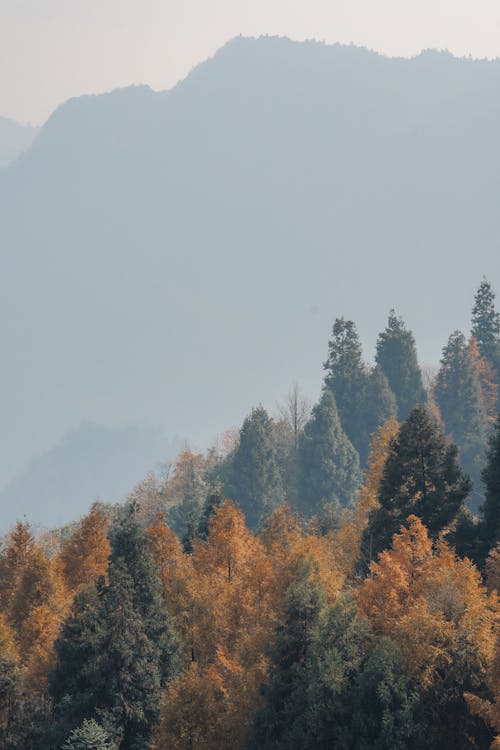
[(130, 694), (130, 548), (281, 723), (489, 524), (346, 376), (379, 405), (458, 395), (486, 323), (89, 736), (421, 477), (256, 484), (386, 708), (328, 462), (74, 684), (397, 357)]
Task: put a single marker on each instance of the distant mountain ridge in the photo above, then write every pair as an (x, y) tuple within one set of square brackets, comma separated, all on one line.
[(14, 140), (180, 256)]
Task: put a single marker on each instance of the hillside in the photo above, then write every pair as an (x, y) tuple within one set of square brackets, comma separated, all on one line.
[(181, 256), (14, 140)]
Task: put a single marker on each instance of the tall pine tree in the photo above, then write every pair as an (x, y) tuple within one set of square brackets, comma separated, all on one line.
[(421, 477), (255, 483), (458, 395), (486, 323), (489, 526), (397, 357), (328, 462)]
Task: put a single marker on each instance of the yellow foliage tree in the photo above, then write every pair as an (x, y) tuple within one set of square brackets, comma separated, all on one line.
[(84, 555)]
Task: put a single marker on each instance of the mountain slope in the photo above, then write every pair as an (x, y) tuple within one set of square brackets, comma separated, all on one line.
[(180, 256), (14, 140)]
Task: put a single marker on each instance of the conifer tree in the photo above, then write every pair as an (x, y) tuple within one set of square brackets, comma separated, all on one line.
[(379, 406), (397, 357), (256, 484), (458, 395), (421, 477), (280, 724), (486, 323), (89, 736), (328, 462), (346, 376), (489, 528)]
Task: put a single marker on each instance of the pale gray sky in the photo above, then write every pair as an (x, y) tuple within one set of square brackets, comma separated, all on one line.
[(51, 50)]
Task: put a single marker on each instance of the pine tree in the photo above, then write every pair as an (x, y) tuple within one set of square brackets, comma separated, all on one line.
[(256, 484), (335, 659), (75, 682), (422, 478), (89, 736), (397, 357), (387, 708), (489, 527), (129, 705), (117, 648), (486, 323), (346, 376), (379, 406), (328, 463), (458, 395), (280, 724)]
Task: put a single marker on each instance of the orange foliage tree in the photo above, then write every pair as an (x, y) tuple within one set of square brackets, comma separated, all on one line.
[(84, 555)]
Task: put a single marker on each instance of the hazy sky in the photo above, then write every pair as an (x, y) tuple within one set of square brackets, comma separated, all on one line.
[(53, 49)]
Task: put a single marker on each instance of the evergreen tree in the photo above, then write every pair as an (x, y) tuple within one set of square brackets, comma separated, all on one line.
[(387, 709), (421, 477), (336, 658), (397, 357), (89, 736), (346, 376), (256, 484), (458, 395), (328, 463), (486, 323), (130, 548), (379, 405), (280, 724), (117, 648), (489, 526), (197, 528), (130, 693), (75, 682)]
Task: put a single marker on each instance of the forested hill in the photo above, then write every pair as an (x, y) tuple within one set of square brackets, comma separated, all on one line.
[(180, 256)]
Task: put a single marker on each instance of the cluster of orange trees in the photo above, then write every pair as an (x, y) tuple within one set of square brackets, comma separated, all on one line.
[(230, 604)]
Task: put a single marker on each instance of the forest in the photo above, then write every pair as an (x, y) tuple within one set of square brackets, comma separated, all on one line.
[(324, 578)]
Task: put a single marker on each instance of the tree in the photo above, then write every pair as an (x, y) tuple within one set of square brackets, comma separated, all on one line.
[(489, 527), (379, 406), (346, 376), (283, 715), (329, 464), (397, 357), (84, 555), (129, 665), (458, 395), (74, 682), (89, 736), (355, 520), (422, 478), (256, 484), (486, 323), (436, 608)]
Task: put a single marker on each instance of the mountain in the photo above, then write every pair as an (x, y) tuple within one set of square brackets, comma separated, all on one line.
[(89, 463), (14, 139), (180, 256)]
